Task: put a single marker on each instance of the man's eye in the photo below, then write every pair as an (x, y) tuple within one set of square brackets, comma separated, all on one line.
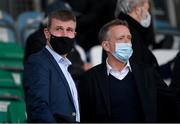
[(69, 30), (59, 29), (129, 37), (121, 38)]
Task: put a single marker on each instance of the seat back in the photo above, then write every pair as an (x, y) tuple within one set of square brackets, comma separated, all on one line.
[(163, 56), (82, 52), (95, 55), (27, 23), (16, 112), (9, 92), (3, 111), (7, 28), (9, 89), (11, 56)]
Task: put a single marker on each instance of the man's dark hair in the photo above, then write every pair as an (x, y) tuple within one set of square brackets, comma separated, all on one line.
[(63, 15)]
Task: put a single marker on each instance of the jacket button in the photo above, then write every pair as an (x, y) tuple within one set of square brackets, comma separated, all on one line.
[(73, 114)]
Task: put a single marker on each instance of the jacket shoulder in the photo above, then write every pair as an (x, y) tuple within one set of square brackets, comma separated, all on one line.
[(97, 69)]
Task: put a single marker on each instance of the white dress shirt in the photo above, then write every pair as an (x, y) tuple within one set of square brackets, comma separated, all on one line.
[(63, 64), (117, 73)]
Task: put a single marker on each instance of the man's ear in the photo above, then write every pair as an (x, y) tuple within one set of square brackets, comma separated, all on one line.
[(75, 33), (105, 45), (138, 11), (46, 33)]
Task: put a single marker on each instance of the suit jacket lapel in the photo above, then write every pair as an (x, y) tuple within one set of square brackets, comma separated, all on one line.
[(142, 87), (64, 81), (104, 87), (140, 80)]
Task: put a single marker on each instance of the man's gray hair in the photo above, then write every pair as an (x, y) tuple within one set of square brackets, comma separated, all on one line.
[(126, 6)]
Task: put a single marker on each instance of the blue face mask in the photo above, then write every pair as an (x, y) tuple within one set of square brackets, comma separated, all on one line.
[(123, 51)]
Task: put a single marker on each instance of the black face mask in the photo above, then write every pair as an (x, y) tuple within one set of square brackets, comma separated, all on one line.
[(61, 45)]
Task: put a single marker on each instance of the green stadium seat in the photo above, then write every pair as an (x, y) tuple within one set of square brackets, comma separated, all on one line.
[(12, 111), (9, 92), (11, 64), (6, 79), (17, 112), (11, 50), (8, 88), (11, 56), (12, 105), (3, 111)]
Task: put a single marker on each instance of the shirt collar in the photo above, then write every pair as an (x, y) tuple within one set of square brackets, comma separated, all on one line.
[(57, 57), (109, 68)]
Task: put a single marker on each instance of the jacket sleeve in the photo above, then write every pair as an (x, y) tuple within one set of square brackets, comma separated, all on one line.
[(175, 84), (36, 88), (87, 101), (165, 100)]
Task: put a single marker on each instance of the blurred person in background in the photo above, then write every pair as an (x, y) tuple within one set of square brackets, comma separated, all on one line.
[(137, 14), (50, 92), (94, 14)]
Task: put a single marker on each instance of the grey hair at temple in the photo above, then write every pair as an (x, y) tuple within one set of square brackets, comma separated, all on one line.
[(127, 6)]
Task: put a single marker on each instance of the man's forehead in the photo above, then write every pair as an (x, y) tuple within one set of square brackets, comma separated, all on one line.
[(120, 28), (60, 23)]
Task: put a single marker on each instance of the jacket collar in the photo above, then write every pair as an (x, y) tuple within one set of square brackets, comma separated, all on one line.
[(133, 23), (109, 68), (104, 87), (56, 66)]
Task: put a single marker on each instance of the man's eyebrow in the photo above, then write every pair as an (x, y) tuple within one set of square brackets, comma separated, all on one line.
[(70, 28), (59, 26)]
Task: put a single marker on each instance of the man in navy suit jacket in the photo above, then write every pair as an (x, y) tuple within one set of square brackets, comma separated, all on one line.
[(50, 92)]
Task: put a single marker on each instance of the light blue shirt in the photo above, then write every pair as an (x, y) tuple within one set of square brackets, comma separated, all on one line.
[(63, 63)]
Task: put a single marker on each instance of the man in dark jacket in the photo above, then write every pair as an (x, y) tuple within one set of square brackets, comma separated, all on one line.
[(120, 90), (136, 13)]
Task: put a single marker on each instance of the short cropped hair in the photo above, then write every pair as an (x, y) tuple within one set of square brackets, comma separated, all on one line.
[(126, 6), (63, 15), (103, 33)]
